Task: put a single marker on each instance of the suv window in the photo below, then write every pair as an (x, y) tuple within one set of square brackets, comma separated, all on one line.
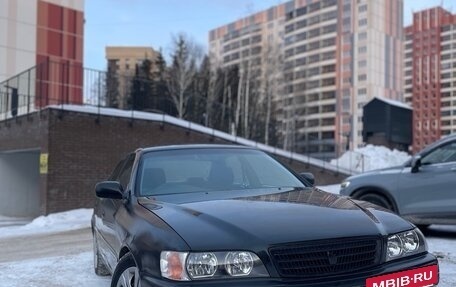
[(125, 174), (443, 154)]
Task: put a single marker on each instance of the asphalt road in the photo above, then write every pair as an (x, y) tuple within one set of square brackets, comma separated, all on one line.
[(45, 245)]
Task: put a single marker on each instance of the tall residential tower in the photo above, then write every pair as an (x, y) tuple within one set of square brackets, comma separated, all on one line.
[(430, 74), (338, 55), (42, 40)]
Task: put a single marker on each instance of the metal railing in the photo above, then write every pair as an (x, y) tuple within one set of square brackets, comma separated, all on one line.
[(61, 84)]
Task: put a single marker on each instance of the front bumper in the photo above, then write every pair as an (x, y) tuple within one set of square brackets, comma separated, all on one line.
[(358, 280)]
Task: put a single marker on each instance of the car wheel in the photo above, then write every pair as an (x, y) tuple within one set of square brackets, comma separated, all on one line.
[(98, 263), (126, 273), (377, 199)]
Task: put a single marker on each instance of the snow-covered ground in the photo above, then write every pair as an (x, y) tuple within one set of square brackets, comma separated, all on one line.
[(56, 222), (63, 271), (75, 266), (442, 243), (370, 157)]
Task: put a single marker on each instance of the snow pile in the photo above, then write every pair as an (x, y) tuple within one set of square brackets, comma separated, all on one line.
[(371, 157), (56, 222)]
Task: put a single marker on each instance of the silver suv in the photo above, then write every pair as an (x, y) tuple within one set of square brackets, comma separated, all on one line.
[(423, 189)]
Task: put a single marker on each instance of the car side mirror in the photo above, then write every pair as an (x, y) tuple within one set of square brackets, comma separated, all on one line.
[(109, 189), (416, 163), (308, 176)]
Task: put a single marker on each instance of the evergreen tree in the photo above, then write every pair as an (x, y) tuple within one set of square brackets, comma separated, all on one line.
[(112, 95), (160, 95), (141, 89)]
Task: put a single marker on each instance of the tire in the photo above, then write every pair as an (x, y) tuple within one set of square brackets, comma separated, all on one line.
[(376, 199), (98, 263), (126, 273)]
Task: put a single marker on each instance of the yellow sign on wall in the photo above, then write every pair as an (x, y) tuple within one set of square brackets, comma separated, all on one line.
[(44, 163)]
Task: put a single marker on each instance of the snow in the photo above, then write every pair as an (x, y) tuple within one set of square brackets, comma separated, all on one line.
[(198, 128), (62, 271), (394, 103), (441, 241), (371, 157), (56, 222)]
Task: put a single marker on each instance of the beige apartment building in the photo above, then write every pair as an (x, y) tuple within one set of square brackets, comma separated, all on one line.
[(122, 62), (338, 55)]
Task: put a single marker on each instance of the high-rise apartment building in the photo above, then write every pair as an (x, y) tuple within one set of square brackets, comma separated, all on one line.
[(43, 40), (338, 55), (122, 62), (430, 74)]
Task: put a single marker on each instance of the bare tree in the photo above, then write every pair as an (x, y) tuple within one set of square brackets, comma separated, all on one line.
[(186, 56), (272, 84)]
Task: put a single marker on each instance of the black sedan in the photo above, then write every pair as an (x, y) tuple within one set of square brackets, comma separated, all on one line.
[(216, 215)]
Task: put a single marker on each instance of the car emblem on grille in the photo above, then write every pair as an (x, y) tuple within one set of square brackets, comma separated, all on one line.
[(332, 257)]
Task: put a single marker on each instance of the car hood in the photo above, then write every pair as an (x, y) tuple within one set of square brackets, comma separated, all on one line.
[(267, 219)]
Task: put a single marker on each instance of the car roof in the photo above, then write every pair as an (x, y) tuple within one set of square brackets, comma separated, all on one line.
[(192, 146)]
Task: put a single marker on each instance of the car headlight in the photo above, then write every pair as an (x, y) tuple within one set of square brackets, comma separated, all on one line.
[(345, 184), (184, 266), (405, 244)]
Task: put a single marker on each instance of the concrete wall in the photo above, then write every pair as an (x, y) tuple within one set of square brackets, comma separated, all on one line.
[(19, 188)]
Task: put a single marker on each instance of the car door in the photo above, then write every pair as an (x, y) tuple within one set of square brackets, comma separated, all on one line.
[(110, 208), (430, 192)]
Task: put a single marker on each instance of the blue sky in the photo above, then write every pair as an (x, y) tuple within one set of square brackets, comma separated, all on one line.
[(153, 22)]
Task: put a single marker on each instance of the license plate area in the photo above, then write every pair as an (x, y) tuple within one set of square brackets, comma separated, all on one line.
[(419, 277)]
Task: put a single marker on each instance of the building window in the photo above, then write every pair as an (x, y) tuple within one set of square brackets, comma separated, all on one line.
[(362, 49), (347, 80), (362, 8), (329, 82), (328, 69), (346, 54), (362, 36), (362, 77), (445, 28), (362, 64), (328, 56), (314, 58), (301, 24), (362, 22)]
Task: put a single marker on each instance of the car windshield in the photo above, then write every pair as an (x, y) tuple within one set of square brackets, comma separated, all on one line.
[(209, 170)]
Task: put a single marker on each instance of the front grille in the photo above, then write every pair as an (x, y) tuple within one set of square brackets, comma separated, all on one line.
[(325, 258)]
